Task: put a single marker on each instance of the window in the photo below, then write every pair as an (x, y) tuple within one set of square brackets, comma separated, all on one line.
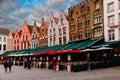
[(42, 31), (54, 41), (60, 41), (83, 10), (88, 34), (80, 35), (72, 15), (72, 26), (50, 41), (64, 40), (4, 47), (50, 32), (61, 20), (97, 6), (119, 19), (87, 21), (80, 24), (60, 32), (111, 21), (0, 39), (4, 39), (51, 23), (16, 36), (110, 7), (111, 34), (26, 37), (0, 47), (97, 31), (119, 4), (64, 30), (54, 33), (34, 30), (23, 37), (97, 18)]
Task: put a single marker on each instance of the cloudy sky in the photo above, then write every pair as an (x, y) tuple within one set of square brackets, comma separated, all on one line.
[(14, 12)]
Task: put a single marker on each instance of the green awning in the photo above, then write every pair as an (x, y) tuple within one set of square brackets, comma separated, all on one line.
[(112, 44), (90, 43), (76, 45), (66, 46)]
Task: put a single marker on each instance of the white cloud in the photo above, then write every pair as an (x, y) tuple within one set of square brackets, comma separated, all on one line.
[(56, 2), (7, 5)]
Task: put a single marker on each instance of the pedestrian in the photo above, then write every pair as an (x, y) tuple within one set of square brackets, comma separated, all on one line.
[(54, 63), (5, 65), (105, 60), (25, 62), (28, 64), (10, 63)]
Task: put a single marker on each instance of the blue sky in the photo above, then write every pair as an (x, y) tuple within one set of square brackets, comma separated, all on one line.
[(14, 12)]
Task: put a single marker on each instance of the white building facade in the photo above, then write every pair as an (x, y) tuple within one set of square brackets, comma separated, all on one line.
[(3, 40), (111, 20)]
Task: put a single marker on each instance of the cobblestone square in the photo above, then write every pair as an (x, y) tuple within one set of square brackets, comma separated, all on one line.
[(19, 73)]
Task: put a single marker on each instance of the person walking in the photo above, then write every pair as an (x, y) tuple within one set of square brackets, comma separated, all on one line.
[(105, 60), (54, 63), (10, 63), (5, 65)]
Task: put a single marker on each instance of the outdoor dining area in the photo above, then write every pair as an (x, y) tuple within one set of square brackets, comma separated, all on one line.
[(72, 57), (69, 60)]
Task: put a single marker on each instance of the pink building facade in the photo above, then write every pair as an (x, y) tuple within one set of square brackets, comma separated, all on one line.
[(58, 31)]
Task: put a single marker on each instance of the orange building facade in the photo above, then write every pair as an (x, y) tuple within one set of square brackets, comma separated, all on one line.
[(43, 38)]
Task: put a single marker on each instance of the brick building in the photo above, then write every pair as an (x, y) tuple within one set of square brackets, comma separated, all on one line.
[(86, 20), (43, 37)]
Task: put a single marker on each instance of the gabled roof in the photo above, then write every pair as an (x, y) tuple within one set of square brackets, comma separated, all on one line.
[(38, 28), (62, 12), (30, 28)]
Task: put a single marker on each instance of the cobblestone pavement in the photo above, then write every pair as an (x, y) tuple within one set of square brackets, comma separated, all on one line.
[(19, 73)]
